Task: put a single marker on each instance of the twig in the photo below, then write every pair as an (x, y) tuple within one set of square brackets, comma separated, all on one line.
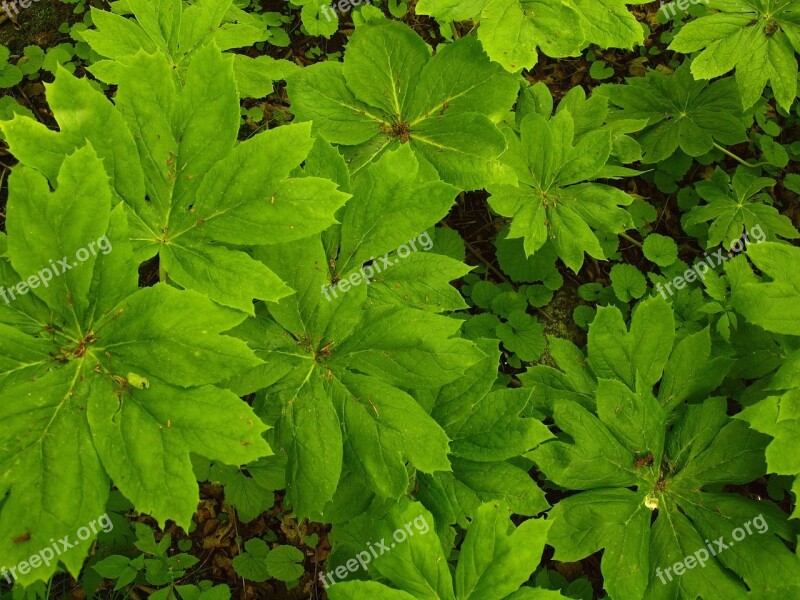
[(631, 240), (739, 160)]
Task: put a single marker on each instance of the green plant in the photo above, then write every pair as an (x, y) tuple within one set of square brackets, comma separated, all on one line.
[(767, 29), (342, 360), (448, 332), (389, 92), (159, 569), (556, 159), (738, 205), (496, 558), (676, 449), (680, 112), (511, 31), (260, 563), (196, 203), (101, 380)]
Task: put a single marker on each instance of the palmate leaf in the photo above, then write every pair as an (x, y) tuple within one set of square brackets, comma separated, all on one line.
[(737, 206), (496, 558), (389, 92), (342, 364), (178, 31), (206, 193), (772, 302), (556, 161), (769, 31), (512, 31), (487, 431), (688, 370), (675, 472), (779, 417), (680, 112), (105, 382)]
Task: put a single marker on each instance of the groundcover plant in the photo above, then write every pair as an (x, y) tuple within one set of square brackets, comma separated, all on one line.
[(447, 299)]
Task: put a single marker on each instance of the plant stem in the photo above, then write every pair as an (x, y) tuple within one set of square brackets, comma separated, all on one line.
[(631, 240), (739, 160)]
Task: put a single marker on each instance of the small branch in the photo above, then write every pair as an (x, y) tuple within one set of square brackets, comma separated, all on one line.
[(739, 160), (631, 240)]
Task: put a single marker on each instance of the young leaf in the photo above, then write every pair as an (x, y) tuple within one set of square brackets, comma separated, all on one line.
[(769, 32), (772, 304), (556, 198), (202, 196), (680, 112), (738, 207), (389, 92), (285, 563), (704, 449), (660, 249), (252, 563), (341, 361), (73, 421)]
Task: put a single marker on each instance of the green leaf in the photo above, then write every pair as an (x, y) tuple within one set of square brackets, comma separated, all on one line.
[(255, 76), (511, 32), (777, 416), (599, 70), (73, 423), (736, 208), (556, 198), (252, 564), (32, 60), (692, 372), (768, 30), (407, 207), (250, 489), (83, 113), (10, 76), (772, 302), (660, 249), (283, 563), (523, 335), (680, 112), (637, 357), (374, 102), (628, 282), (496, 569)]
